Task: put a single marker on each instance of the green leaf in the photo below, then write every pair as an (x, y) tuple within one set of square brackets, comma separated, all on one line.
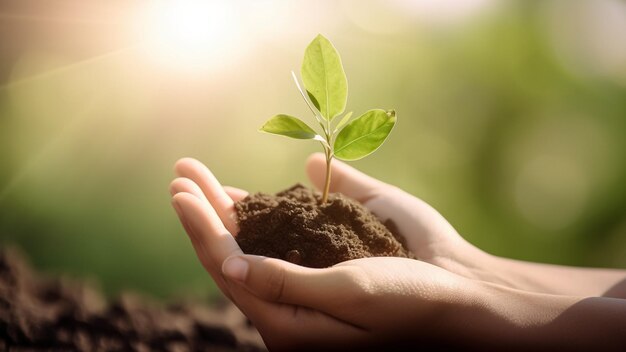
[(343, 121), (324, 78), (289, 126), (364, 134)]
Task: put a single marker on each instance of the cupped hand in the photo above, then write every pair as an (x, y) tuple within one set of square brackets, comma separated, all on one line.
[(358, 302), (207, 212), (427, 233)]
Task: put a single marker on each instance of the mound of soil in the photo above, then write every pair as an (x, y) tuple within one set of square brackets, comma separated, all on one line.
[(40, 314), (293, 226)]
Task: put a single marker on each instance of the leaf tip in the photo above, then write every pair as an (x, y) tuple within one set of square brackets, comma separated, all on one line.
[(392, 115)]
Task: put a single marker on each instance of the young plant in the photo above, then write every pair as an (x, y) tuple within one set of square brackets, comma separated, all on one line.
[(326, 95)]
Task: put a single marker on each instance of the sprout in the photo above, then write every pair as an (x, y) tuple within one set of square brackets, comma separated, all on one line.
[(326, 95)]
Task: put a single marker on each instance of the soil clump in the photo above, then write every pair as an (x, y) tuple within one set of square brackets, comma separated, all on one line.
[(293, 226)]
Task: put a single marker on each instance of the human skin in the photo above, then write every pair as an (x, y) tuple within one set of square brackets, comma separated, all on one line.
[(455, 295)]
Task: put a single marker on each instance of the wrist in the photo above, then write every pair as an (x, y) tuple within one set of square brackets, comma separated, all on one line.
[(497, 317), (487, 315)]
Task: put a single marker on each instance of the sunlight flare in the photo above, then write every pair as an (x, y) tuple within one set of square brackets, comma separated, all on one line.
[(189, 33)]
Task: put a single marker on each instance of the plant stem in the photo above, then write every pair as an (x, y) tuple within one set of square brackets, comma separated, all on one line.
[(329, 158)]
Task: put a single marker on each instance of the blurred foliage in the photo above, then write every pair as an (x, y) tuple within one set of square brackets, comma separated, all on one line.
[(514, 138)]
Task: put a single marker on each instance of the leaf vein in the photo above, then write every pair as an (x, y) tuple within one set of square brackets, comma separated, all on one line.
[(361, 137)]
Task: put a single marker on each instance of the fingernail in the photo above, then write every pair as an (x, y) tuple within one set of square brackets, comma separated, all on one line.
[(235, 268)]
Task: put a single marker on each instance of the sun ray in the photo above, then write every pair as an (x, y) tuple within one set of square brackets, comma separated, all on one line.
[(56, 139), (35, 18), (57, 70), (45, 149)]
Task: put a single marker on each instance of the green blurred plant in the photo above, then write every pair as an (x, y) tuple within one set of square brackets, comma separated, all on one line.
[(327, 88)]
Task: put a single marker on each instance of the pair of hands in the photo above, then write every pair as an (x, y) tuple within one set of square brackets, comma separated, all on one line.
[(360, 302)]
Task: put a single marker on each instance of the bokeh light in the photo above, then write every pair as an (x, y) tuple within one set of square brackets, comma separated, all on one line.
[(588, 36)]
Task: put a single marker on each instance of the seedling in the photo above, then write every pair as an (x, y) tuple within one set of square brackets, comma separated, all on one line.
[(326, 95)]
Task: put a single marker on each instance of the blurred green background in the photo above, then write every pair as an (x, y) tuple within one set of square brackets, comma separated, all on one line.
[(512, 121)]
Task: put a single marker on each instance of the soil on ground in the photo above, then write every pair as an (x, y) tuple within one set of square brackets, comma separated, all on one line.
[(43, 314), (292, 225)]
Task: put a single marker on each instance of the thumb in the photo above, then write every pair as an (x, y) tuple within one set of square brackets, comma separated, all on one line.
[(277, 280)]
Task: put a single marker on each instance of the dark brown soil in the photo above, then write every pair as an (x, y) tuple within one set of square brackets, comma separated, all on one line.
[(292, 225), (39, 314)]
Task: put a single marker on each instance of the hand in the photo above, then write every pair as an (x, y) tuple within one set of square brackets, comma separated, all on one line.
[(428, 234), (359, 302), (366, 302)]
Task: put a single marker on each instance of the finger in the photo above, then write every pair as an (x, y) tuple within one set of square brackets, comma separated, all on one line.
[(212, 189), (217, 242), (183, 184), (236, 194), (207, 263), (276, 280), (312, 330), (287, 327), (344, 178), (211, 241)]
